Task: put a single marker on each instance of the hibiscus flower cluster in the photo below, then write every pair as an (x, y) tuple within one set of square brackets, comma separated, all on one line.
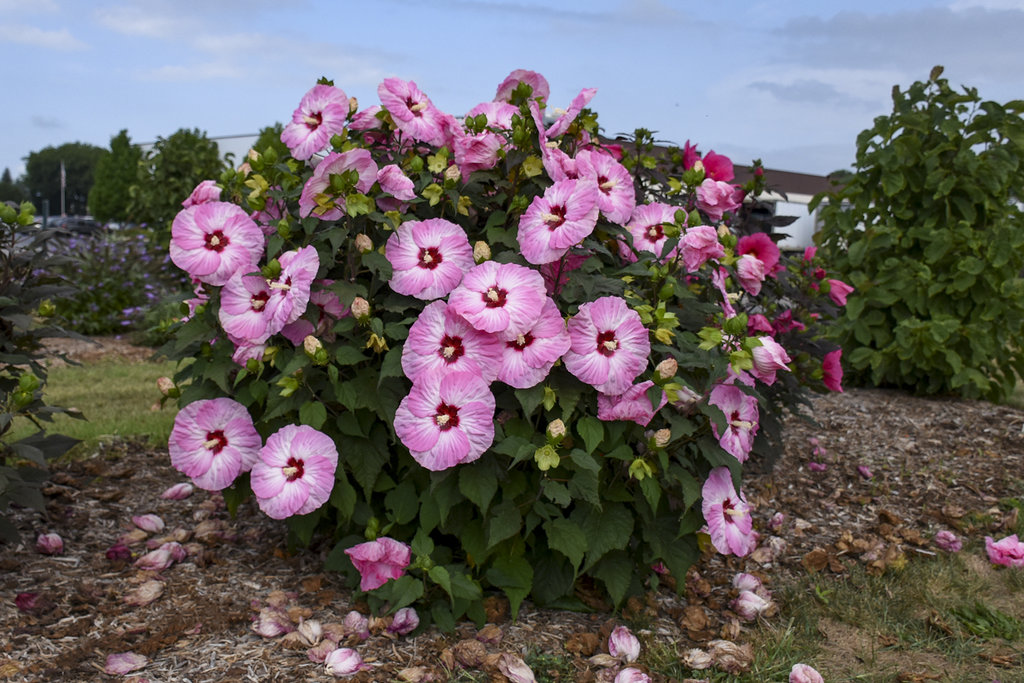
[(502, 348)]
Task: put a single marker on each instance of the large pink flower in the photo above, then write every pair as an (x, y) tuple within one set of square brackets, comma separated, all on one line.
[(428, 258), (769, 358), (575, 107), (442, 341), (715, 198), (700, 244), (212, 241), (565, 214), (1008, 552), (633, 405), (295, 472), (476, 152), (762, 246), (610, 345), (616, 196), (503, 298), (838, 291), (318, 200), (527, 359), (646, 225), (244, 312), (412, 111), (718, 167), (205, 192), (447, 419), (741, 417), (379, 561), (832, 370), (537, 82), (499, 114), (290, 290), (727, 514), (751, 272), (321, 113), (213, 441)]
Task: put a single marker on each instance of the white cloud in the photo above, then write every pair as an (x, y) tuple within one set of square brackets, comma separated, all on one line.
[(48, 122), (142, 21), (195, 72), (31, 35)]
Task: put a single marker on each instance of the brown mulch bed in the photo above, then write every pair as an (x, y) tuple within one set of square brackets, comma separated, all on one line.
[(931, 464)]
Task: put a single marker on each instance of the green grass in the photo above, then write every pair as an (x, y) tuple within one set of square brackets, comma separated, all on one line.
[(115, 398)]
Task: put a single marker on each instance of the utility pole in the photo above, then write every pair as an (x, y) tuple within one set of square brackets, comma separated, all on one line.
[(63, 187)]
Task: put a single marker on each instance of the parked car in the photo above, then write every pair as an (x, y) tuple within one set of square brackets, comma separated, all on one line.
[(83, 225)]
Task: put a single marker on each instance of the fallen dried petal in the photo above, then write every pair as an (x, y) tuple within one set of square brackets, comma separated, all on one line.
[(151, 523), (178, 491), (515, 669), (125, 662), (145, 593), (50, 544)]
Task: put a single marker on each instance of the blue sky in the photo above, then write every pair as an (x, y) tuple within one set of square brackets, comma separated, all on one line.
[(791, 82)]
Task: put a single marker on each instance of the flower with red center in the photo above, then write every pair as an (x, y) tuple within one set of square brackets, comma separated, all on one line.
[(446, 419), (442, 341), (700, 244), (205, 192), (633, 405), (610, 345), (741, 417), (727, 514), (616, 196), (764, 248), (428, 258), (716, 197), (560, 218), (647, 226), (527, 359), (379, 561), (412, 111), (295, 471), (244, 313), (289, 291), (213, 441), (536, 81), (832, 370), (769, 358), (503, 298), (317, 198), (321, 114), (212, 241)]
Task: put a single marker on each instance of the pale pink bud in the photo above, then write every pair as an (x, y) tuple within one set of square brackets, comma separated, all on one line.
[(360, 308), (556, 430), (481, 252), (865, 471), (662, 437), (802, 673), (272, 622), (165, 385), (515, 669), (623, 644), (178, 491), (343, 662), (363, 243), (151, 523), (697, 659), (406, 621), (124, 663), (686, 399), (667, 369), (311, 345), (50, 544), (948, 541), (749, 605), (357, 624), (631, 675), (452, 173)]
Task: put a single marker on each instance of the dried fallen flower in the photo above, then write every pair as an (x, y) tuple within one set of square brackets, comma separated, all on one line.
[(631, 675), (151, 523), (622, 644), (119, 552), (178, 491), (50, 544), (358, 625), (311, 630), (124, 662), (272, 622), (515, 669), (697, 659), (406, 621), (343, 662), (749, 605), (319, 653), (156, 560), (145, 593), (817, 466), (865, 471), (948, 541), (802, 673), (33, 603), (730, 657)]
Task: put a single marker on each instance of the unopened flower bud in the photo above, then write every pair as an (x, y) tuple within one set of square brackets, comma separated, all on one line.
[(50, 544), (623, 645), (406, 621), (360, 308), (667, 369), (165, 385), (363, 243), (662, 437), (452, 173), (481, 252), (343, 662), (686, 400), (353, 105), (556, 430)]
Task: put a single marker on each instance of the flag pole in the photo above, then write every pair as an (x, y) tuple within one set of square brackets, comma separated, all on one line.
[(63, 187)]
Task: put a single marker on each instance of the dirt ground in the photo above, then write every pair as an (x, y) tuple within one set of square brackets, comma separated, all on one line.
[(929, 464)]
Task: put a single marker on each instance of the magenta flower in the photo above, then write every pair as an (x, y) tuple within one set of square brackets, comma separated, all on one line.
[(442, 341), (740, 417), (727, 514), (715, 198), (428, 258), (212, 241), (476, 152), (124, 663), (395, 183), (838, 291), (700, 244), (379, 561), (527, 359), (244, 312), (1008, 552), (295, 472), (631, 674), (290, 290), (412, 111), (690, 155), (948, 541), (610, 346), (802, 673), (205, 192), (633, 405), (150, 523), (750, 271), (503, 298), (537, 82), (560, 218), (499, 114), (213, 441), (763, 247), (446, 419), (321, 114), (405, 621), (832, 370), (558, 164), (718, 167), (769, 358), (758, 323), (50, 544), (317, 198), (646, 225), (616, 197)]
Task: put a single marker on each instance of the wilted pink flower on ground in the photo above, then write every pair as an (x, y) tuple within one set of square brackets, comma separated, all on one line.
[(631, 675), (428, 258), (536, 81), (355, 623), (212, 241), (633, 405), (718, 167), (700, 244), (616, 197), (749, 605), (865, 471), (144, 594), (49, 544), (442, 341), (802, 673), (33, 603), (379, 561), (318, 653), (295, 471), (343, 662), (150, 522), (1008, 552), (817, 466), (503, 298), (751, 271), (948, 541), (747, 582), (206, 191), (838, 291), (318, 199), (646, 225), (763, 247), (515, 669), (527, 359), (446, 419), (610, 345), (406, 621), (715, 198), (412, 111), (213, 441), (119, 551), (271, 622), (623, 645), (321, 114), (769, 358), (560, 218), (124, 663), (777, 520), (727, 514), (832, 370), (156, 560), (741, 417)]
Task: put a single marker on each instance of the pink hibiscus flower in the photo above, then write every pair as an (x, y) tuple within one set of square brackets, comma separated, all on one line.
[(741, 417), (321, 114), (442, 341), (1008, 552), (718, 277), (379, 561), (295, 472), (715, 198), (213, 441), (318, 200), (205, 192), (476, 152), (758, 323), (527, 359), (329, 309), (633, 405), (616, 197), (559, 165), (769, 358), (838, 291), (700, 244), (428, 258), (832, 370), (565, 214), (446, 419), (503, 298), (750, 271), (395, 183), (575, 107), (646, 225), (537, 82), (290, 290), (244, 313), (610, 345), (763, 247), (412, 111), (499, 114), (690, 155), (718, 167), (212, 241), (727, 514)]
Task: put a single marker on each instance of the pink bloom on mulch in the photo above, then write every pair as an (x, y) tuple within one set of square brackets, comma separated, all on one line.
[(616, 197), (295, 471), (623, 645), (343, 662), (647, 226), (1008, 552), (749, 605), (817, 466), (560, 218), (150, 523), (213, 441), (716, 198), (213, 241), (700, 244), (321, 114), (205, 192), (610, 345), (536, 81), (317, 198), (865, 471), (838, 291), (633, 405), (178, 491), (406, 621), (718, 167), (527, 359), (727, 514), (412, 111), (442, 341), (49, 544), (631, 675), (769, 358), (802, 673), (124, 663), (948, 541), (832, 370), (763, 247), (503, 298), (428, 258), (741, 416), (446, 419), (379, 561)]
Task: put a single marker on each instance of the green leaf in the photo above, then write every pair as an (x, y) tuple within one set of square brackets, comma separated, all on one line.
[(478, 482), (566, 537), (591, 430), (530, 398), (313, 414), (347, 355), (442, 578), (616, 572), (402, 591), (514, 575), (505, 522), (606, 530), (402, 503)]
